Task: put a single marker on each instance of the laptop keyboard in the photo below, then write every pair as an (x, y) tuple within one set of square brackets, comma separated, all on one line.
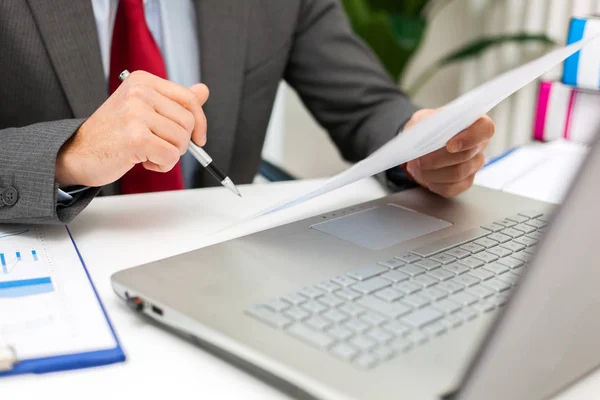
[(376, 312)]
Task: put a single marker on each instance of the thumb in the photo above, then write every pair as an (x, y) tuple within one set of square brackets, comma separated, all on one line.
[(201, 90)]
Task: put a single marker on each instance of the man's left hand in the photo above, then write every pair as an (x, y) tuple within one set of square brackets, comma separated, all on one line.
[(451, 170)]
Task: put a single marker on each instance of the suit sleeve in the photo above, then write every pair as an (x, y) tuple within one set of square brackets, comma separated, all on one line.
[(342, 83), (28, 163)]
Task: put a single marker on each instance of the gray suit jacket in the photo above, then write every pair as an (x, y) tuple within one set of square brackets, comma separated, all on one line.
[(51, 79)]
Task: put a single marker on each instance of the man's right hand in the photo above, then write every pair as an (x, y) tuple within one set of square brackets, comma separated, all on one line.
[(147, 120)]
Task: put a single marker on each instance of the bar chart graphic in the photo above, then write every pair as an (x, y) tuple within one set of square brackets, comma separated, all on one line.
[(23, 272)]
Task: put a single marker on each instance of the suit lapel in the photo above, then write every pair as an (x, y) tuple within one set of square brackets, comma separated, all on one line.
[(222, 28), (68, 29)]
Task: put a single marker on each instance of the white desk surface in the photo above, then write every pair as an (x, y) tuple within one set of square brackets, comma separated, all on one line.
[(115, 233)]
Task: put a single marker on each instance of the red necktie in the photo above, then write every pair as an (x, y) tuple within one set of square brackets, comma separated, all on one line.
[(133, 48)]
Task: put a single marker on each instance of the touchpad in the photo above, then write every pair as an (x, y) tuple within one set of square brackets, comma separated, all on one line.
[(381, 227)]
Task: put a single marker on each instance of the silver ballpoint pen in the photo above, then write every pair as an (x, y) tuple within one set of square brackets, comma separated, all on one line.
[(203, 158)]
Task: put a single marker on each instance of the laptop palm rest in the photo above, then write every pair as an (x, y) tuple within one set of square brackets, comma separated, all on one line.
[(381, 227)]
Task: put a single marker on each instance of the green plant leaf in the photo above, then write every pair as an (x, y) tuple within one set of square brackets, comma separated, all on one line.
[(400, 7), (475, 49)]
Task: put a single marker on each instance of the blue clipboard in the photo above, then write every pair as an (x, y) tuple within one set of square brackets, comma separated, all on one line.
[(72, 361)]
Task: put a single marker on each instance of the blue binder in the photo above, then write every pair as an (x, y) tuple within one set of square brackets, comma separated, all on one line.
[(71, 361)]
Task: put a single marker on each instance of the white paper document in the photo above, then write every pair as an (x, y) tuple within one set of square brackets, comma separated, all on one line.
[(47, 304), (435, 131), (543, 172)]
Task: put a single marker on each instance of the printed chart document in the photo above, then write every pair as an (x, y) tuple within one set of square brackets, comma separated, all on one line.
[(434, 132), (48, 306)]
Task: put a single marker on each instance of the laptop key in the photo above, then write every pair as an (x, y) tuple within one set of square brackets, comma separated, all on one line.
[(417, 337), (392, 263), (362, 343), (486, 242), (499, 237), (536, 223), (450, 286), (513, 233), (535, 235), (330, 301), (464, 298), (471, 262), (496, 268), (395, 276), (531, 214), (365, 361), (527, 241), (416, 300), (507, 223), (352, 309), (379, 335), (371, 285), (344, 281), (441, 274), (497, 285), (357, 325), (446, 306), (518, 218), (428, 264), (484, 306), (407, 287), (372, 318), (493, 227), (340, 333), (458, 253), (456, 268), (314, 307), (396, 328), (500, 251), (472, 247), (367, 272), (525, 228), (344, 351), (383, 353), (330, 286), (435, 329), (521, 256), (446, 244), (465, 280), (482, 274), (443, 258), (451, 321), (389, 294), (390, 310), (409, 258), (425, 280), (270, 317), (513, 246), (295, 298), (311, 292), (486, 256), (480, 291), (278, 304), (510, 262), (318, 323), (317, 339), (400, 345), (422, 317), (466, 314), (335, 316), (297, 313), (412, 270), (433, 293), (347, 294)]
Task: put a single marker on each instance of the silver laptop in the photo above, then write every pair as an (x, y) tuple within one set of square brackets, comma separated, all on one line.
[(486, 296)]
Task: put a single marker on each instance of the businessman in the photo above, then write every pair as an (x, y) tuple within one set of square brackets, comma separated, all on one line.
[(69, 128)]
